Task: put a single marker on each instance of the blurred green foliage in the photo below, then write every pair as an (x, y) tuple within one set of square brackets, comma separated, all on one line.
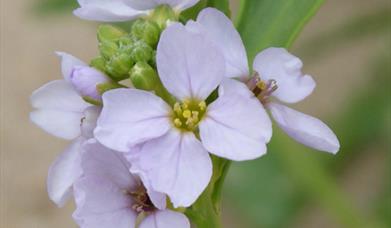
[(272, 191)]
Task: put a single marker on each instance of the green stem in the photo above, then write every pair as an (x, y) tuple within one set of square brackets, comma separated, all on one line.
[(206, 211)]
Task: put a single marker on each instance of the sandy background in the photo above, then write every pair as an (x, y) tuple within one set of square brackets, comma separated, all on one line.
[(27, 59)]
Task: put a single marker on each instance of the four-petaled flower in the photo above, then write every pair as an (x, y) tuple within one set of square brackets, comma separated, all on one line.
[(172, 142), (278, 75), (108, 195)]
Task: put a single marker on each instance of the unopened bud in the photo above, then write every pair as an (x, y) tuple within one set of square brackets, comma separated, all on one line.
[(141, 52), (98, 63), (109, 33), (85, 80), (108, 49), (146, 30), (119, 66), (162, 15)]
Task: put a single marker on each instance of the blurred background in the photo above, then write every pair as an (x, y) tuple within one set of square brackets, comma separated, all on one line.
[(346, 47)]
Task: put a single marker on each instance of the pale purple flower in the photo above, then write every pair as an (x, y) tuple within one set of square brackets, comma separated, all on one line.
[(62, 112), (173, 142), (278, 75), (107, 195), (123, 10), (85, 79)]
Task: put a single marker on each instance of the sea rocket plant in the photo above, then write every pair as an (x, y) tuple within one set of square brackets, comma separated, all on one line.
[(143, 155)]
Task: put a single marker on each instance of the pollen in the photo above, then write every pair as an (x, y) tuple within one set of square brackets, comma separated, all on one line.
[(188, 114)]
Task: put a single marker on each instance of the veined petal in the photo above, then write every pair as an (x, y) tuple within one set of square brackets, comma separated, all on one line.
[(189, 65), (176, 164), (222, 32), (278, 64), (236, 127), (68, 62), (130, 117), (234, 87), (63, 173), (304, 128), (101, 194), (60, 109), (107, 11), (165, 219)]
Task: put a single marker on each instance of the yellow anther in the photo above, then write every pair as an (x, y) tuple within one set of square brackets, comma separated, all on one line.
[(177, 122), (261, 85), (186, 113), (202, 105), (177, 108)]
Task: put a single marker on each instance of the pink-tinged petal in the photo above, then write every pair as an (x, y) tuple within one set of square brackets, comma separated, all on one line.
[(124, 218), (222, 32), (101, 194), (165, 219), (63, 173), (106, 11), (304, 128), (68, 62), (278, 64), (130, 117), (236, 127), (59, 109), (189, 65), (176, 164)]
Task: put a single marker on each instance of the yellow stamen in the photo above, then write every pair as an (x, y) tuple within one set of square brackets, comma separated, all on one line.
[(178, 122), (186, 113), (202, 105)]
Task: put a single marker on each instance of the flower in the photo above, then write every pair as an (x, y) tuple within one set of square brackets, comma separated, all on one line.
[(62, 112), (107, 195), (278, 75), (169, 151), (123, 10)]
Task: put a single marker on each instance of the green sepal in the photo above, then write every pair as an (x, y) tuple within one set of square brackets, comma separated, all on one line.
[(92, 101), (118, 66), (141, 52), (108, 48), (104, 87), (109, 33), (163, 14), (146, 30), (98, 63)]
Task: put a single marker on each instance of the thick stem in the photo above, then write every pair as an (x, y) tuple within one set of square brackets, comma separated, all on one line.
[(206, 211)]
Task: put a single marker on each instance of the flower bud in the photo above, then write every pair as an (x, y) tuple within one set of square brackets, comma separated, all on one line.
[(146, 30), (98, 63), (108, 49), (162, 15), (141, 52), (108, 33), (85, 80), (119, 66)]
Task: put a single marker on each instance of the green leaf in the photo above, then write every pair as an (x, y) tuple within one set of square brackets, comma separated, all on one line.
[(266, 23)]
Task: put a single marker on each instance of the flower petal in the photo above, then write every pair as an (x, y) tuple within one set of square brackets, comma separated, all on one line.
[(63, 173), (101, 193), (165, 219), (304, 128), (68, 62), (88, 123), (107, 11), (60, 109), (236, 127), (189, 65), (285, 68), (176, 164), (222, 32), (150, 4), (129, 117)]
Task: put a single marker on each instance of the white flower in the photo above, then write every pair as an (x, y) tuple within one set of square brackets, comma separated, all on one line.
[(62, 112), (123, 10), (278, 75), (171, 156)]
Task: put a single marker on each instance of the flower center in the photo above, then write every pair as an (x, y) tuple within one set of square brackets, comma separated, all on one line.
[(142, 202), (262, 89), (188, 114)]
